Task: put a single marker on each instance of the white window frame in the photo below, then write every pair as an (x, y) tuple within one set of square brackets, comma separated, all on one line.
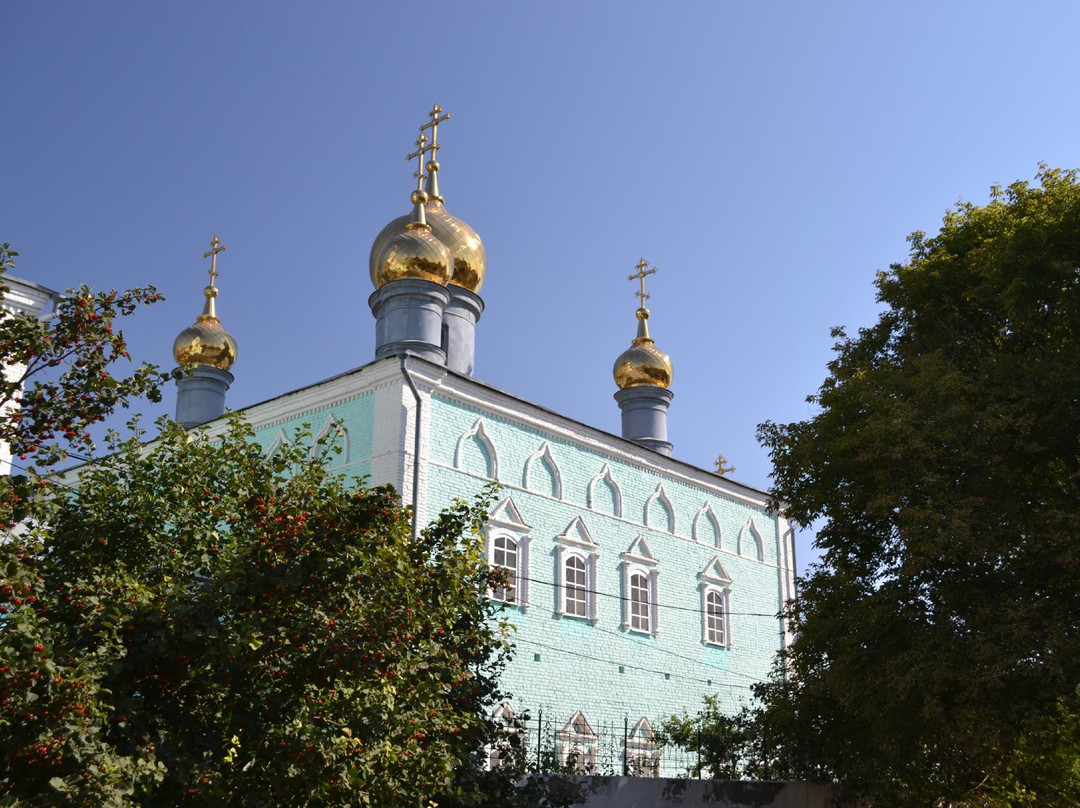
[(715, 580), (505, 522), (577, 737), (510, 726), (639, 560), (724, 595), (576, 543), (642, 752)]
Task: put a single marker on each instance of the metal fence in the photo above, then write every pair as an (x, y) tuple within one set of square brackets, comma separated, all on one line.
[(610, 746)]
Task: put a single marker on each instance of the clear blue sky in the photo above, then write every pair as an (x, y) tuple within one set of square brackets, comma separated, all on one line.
[(767, 157)]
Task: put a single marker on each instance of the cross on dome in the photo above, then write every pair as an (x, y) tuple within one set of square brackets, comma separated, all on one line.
[(640, 276), (421, 150), (215, 247), (433, 125)]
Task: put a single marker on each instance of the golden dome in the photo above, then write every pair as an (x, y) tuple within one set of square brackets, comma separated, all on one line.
[(643, 364), (205, 342), (470, 259), (467, 253), (406, 248)]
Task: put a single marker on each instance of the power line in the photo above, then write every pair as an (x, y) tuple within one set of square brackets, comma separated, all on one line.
[(670, 607)]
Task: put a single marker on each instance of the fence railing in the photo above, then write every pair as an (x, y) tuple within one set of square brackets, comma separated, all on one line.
[(609, 746)]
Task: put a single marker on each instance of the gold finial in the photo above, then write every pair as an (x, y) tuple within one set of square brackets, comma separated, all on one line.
[(640, 276), (215, 247), (433, 125), (419, 197), (432, 187), (421, 150)]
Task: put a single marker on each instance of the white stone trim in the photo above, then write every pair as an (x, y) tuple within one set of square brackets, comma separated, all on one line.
[(607, 477), (706, 513), (543, 455), (480, 434), (750, 531), (660, 495)]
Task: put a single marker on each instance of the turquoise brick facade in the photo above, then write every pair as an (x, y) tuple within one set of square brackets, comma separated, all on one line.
[(566, 489), (568, 664)]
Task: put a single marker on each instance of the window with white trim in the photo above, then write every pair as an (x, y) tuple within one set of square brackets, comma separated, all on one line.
[(640, 603), (576, 565), (716, 616), (508, 550), (642, 752), (640, 613), (715, 604), (576, 745), (504, 556), (574, 582), (512, 739)]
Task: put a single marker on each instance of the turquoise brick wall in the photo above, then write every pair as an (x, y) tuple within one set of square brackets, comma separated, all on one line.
[(565, 664), (358, 416)]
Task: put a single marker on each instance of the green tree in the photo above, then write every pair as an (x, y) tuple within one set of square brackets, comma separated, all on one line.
[(190, 623), (59, 373), (209, 627), (937, 657)]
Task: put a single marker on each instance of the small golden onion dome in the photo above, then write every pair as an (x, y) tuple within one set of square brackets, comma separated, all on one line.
[(643, 364), (205, 342), (407, 248)]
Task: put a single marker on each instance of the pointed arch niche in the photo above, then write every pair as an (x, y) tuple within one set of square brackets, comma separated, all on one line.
[(542, 473), (476, 452), (707, 527), (334, 435), (750, 544), (279, 442), (604, 494), (659, 512)]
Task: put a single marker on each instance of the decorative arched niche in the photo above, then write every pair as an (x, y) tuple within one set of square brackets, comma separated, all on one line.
[(750, 543), (476, 453), (334, 435), (659, 512), (604, 494), (542, 473), (706, 528)]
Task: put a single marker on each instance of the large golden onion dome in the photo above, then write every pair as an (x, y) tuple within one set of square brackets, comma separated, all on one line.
[(469, 259), (643, 364), (407, 248), (205, 342)]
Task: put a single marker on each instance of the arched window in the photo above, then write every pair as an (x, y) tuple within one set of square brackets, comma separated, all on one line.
[(508, 551), (639, 593), (574, 578), (642, 753), (715, 604), (576, 745), (504, 556), (575, 571), (716, 617), (512, 738), (640, 610)]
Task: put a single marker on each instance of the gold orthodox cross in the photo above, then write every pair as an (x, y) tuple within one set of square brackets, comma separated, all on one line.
[(640, 276), (215, 247), (433, 125), (421, 150)]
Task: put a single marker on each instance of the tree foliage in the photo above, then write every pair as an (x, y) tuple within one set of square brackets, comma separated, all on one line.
[(938, 651), (197, 625), (59, 377), (188, 622)]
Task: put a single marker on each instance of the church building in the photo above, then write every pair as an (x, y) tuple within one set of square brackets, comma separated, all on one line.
[(637, 583)]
